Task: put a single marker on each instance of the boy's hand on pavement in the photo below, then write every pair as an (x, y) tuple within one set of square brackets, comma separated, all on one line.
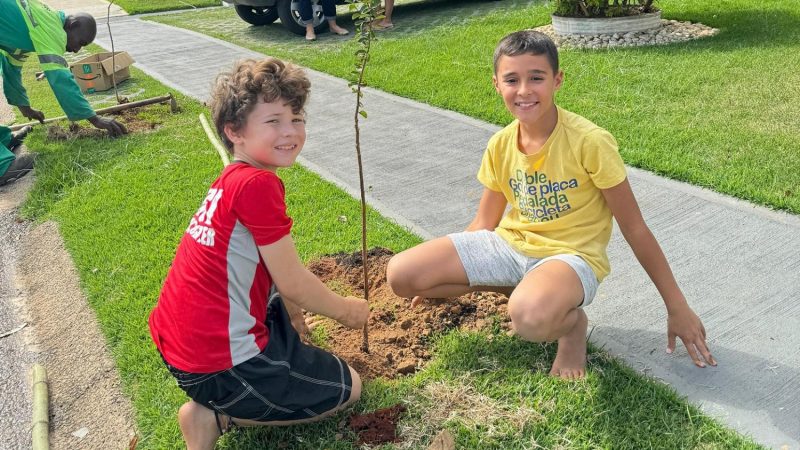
[(685, 324), (30, 113), (356, 313)]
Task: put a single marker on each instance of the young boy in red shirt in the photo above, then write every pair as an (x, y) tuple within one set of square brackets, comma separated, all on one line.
[(227, 320)]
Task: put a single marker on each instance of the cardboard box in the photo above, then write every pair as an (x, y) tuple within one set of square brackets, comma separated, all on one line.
[(93, 73)]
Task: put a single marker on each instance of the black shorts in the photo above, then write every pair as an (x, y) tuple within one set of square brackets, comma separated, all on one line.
[(289, 380)]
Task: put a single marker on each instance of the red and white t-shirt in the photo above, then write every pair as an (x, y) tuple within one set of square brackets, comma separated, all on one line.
[(210, 315)]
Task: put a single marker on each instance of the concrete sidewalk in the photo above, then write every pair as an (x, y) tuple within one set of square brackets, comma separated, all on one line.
[(737, 263)]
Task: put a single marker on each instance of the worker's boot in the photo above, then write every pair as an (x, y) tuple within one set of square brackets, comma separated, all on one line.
[(21, 166), (17, 137)]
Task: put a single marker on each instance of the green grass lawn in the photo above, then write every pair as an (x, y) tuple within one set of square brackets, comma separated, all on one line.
[(722, 112), (122, 206), (149, 6)]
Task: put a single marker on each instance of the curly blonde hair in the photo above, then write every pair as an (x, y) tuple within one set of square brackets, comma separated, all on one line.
[(237, 92)]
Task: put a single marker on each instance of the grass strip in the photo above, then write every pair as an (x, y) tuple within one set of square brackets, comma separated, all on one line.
[(149, 6), (122, 206)]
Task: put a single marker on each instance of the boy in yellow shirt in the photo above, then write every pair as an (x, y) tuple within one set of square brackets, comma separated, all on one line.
[(564, 180)]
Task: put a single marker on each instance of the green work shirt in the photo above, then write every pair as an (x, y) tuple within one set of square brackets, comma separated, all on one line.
[(27, 26)]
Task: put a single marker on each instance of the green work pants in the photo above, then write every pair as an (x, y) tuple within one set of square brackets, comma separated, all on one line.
[(6, 157)]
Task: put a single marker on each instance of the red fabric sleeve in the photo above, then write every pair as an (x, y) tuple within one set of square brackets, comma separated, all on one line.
[(261, 208)]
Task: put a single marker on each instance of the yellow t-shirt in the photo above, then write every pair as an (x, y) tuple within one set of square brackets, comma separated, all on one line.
[(555, 198)]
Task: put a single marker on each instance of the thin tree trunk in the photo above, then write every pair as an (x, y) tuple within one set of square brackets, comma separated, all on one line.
[(364, 262)]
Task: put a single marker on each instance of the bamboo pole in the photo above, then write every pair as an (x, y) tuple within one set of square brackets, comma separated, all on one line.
[(111, 109), (41, 418), (223, 154)]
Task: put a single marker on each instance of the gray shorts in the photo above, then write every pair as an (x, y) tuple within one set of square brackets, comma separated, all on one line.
[(491, 261)]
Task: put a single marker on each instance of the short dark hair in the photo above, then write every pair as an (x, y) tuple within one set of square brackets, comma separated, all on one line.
[(82, 23), (237, 92), (527, 42)]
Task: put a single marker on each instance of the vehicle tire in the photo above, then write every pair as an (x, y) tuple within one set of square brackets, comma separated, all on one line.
[(290, 17), (257, 15)]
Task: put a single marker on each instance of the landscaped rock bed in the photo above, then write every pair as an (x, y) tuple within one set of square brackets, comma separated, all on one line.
[(398, 334), (670, 31)]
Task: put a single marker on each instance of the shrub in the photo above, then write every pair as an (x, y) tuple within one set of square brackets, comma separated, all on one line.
[(602, 8)]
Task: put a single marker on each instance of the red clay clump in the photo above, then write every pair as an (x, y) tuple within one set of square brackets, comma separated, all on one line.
[(377, 427)]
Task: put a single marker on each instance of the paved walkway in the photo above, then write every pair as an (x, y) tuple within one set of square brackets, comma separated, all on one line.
[(737, 263)]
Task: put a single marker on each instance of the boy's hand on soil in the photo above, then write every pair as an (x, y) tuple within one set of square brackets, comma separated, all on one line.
[(308, 324), (313, 322), (300, 325), (416, 301), (686, 325), (356, 313)]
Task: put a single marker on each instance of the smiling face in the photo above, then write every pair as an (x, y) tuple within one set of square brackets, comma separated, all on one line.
[(528, 86), (272, 137)]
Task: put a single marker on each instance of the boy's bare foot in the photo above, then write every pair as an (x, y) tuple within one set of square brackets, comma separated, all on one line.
[(570, 360), (198, 426)]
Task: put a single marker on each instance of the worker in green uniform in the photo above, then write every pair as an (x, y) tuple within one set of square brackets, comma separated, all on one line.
[(28, 26)]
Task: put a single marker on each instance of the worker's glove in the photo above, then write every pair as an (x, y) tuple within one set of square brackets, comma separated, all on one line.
[(113, 127), (31, 113)]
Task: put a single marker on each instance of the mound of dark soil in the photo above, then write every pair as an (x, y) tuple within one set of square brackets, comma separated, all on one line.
[(398, 334)]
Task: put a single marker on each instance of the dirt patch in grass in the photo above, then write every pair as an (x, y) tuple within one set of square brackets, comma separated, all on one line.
[(377, 427), (398, 334), (133, 119), (442, 402)]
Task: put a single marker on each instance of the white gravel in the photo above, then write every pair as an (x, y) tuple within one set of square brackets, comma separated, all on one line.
[(670, 31)]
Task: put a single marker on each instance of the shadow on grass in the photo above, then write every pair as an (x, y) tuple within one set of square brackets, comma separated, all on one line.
[(409, 18), (756, 27), (753, 28), (759, 27)]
